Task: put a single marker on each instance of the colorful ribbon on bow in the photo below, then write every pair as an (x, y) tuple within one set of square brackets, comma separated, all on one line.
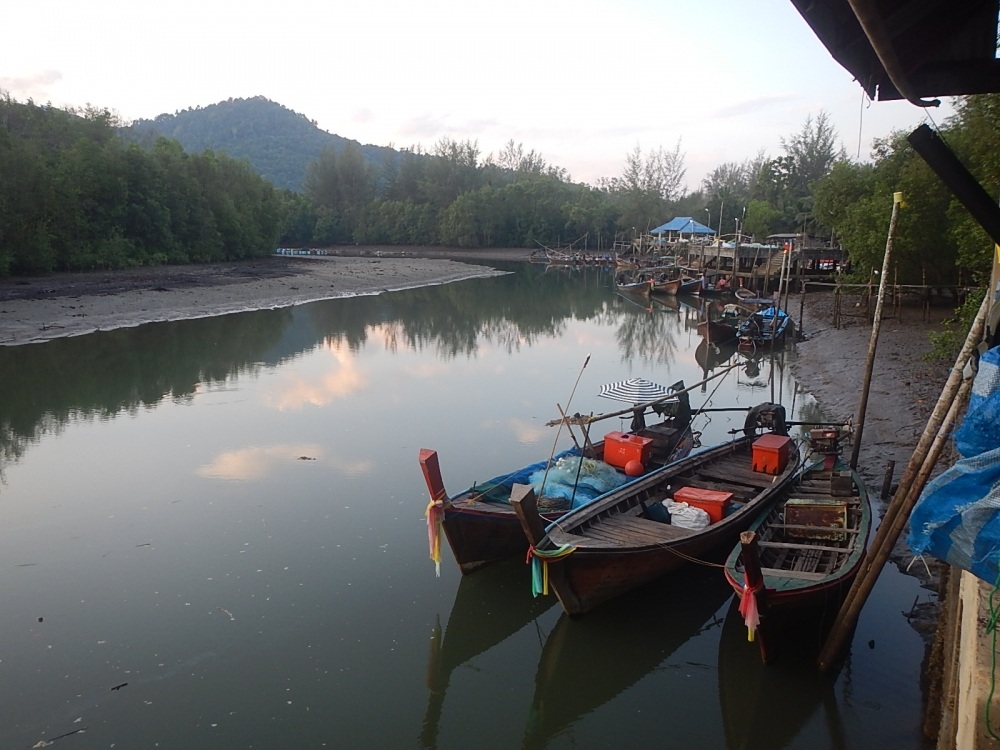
[(749, 609), (539, 561), (435, 522)]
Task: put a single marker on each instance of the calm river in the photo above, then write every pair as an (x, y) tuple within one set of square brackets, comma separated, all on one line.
[(212, 536)]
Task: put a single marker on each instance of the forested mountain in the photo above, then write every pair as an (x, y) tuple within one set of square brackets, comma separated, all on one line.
[(278, 142), (76, 196)]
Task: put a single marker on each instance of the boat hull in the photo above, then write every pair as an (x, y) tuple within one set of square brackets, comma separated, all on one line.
[(481, 526), (717, 332), (617, 545), (806, 578)]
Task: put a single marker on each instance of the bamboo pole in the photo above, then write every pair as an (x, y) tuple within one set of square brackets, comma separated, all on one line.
[(921, 462), (556, 441), (897, 199), (581, 420)]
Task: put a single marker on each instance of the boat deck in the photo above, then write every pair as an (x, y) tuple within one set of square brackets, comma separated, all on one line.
[(815, 550), (626, 524)]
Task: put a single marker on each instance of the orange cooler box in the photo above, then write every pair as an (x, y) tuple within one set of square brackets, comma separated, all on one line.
[(713, 502), (622, 447), (770, 453)]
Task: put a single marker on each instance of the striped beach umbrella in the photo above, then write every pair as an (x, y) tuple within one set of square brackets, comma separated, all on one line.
[(634, 391)]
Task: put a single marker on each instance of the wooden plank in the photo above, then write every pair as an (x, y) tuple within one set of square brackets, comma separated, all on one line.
[(801, 574), (652, 530), (797, 527), (809, 547), (735, 476)]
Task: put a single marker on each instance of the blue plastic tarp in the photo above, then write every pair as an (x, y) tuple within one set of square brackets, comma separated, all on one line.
[(956, 519)]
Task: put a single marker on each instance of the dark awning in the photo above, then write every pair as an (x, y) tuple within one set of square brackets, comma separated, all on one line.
[(911, 49)]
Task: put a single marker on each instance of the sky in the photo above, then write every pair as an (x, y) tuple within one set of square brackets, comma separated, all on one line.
[(581, 83)]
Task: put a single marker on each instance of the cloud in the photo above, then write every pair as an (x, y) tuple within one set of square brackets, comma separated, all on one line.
[(34, 86)]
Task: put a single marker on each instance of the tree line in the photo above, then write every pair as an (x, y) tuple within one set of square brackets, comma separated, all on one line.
[(77, 196)]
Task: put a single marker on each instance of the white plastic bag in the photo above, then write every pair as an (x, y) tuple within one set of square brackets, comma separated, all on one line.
[(687, 516)]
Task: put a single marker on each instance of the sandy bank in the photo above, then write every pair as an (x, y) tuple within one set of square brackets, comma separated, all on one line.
[(38, 309)]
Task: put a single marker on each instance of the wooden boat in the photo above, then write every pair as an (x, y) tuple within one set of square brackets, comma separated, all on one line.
[(764, 329), (625, 538), (717, 331), (801, 556), (716, 284), (480, 524), (666, 283), (638, 284), (690, 285)]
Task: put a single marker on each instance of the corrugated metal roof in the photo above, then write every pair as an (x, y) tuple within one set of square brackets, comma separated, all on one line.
[(683, 225)]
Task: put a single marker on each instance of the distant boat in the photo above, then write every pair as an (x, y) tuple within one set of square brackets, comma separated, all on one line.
[(691, 285), (800, 557), (764, 329), (637, 284), (627, 537)]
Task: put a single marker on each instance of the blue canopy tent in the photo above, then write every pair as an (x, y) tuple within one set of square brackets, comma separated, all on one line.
[(682, 225)]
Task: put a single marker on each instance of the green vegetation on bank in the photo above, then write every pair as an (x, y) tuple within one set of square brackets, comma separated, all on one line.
[(75, 196), (81, 192)]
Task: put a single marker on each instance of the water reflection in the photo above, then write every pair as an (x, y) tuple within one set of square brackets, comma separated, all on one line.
[(122, 371), (118, 372), (489, 607), (589, 661), (769, 706), (227, 514)]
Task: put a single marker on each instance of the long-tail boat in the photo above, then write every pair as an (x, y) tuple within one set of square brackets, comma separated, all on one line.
[(795, 564), (629, 536), (480, 524), (637, 283)]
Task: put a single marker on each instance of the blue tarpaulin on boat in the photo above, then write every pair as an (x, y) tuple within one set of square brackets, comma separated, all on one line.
[(956, 518), (523, 476), (579, 480)]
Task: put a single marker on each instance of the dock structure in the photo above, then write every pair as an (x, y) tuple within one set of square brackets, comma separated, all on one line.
[(757, 266)]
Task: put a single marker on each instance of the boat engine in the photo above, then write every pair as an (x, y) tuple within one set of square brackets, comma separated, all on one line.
[(766, 416)]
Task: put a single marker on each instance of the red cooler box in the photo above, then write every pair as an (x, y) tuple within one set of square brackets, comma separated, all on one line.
[(770, 453), (713, 502), (622, 447)]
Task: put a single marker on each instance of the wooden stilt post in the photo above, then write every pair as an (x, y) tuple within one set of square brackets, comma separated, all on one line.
[(802, 303), (887, 479), (897, 198)]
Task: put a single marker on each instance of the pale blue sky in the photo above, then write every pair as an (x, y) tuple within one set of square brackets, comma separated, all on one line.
[(580, 82)]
